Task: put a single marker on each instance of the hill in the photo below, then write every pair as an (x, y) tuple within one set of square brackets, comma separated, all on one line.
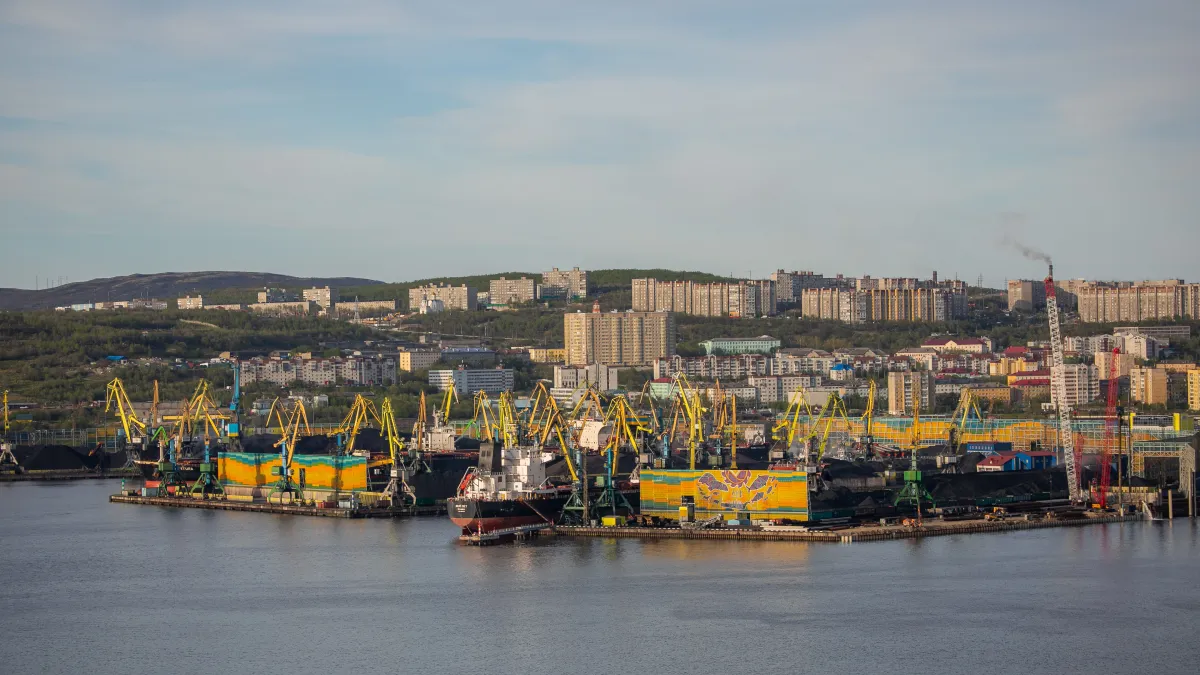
[(165, 286)]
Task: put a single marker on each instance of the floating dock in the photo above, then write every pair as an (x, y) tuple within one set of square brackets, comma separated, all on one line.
[(508, 534), (218, 504), (843, 536)]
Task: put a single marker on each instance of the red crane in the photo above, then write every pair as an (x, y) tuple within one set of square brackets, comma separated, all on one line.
[(1110, 430)]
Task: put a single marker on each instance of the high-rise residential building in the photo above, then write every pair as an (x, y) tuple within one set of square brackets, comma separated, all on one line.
[(468, 381), (744, 298), (788, 285), (191, 302), (1026, 295), (325, 298), (1148, 385), (1082, 384), (618, 338), (568, 284), (1193, 389), (462, 298), (511, 291), (1109, 302), (1141, 346), (1104, 363), (926, 304), (904, 387)]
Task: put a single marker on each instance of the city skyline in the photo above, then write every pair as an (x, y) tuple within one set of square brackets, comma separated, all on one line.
[(368, 138)]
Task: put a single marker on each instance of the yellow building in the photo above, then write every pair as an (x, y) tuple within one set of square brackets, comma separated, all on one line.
[(547, 354), (418, 359), (1008, 365), (1148, 385), (1193, 388), (618, 338), (1104, 361), (997, 393)]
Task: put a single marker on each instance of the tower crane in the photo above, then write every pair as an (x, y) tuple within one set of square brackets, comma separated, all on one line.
[(1058, 380), (1100, 499)]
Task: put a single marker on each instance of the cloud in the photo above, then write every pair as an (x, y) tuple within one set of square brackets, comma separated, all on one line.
[(860, 141)]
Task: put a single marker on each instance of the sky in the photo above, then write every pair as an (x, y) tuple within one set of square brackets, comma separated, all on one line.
[(404, 140)]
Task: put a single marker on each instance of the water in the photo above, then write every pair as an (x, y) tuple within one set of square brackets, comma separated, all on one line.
[(93, 587)]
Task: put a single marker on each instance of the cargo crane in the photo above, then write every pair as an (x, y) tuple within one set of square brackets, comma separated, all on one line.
[(287, 448), (116, 399), (7, 458), (1100, 499), (867, 440), (790, 423), (688, 400), (398, 490), (914, 488), (207, 483), (1058, 380), (361, 412)]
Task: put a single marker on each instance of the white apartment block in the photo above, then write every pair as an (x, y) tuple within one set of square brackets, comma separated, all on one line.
[(713, 367), (355, 370), (601, 376), (467, 382), (570, 284), (1082, 383), (190, 302)]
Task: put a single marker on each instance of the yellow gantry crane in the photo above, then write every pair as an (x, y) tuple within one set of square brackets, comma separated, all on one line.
[(115, 399), (6, 454), (688, 401), (398, 490), (787, 429), (419, 426), (362, 412), (287, 449), (968, 403)]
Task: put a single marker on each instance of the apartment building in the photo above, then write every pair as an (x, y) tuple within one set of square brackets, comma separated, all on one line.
[(949, 345), (451, 298), (618, 338), (1109, 302), (1025, 295), (774, 388), (504, 291), (904, 388), (325, 298), (1148, 385), (800, 361), (410, 360), (355, 370), (602, 377), (1082, 384), (1104, 363), (191, 302), (927, 304), (570, 284), (1089, 345), (1193, 389), (467, 382), (738, 299), (713, 367)]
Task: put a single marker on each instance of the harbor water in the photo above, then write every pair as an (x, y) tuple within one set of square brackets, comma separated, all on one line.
[(94, 587)]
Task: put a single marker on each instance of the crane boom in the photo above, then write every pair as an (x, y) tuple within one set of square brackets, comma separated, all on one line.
[(1058, 380)]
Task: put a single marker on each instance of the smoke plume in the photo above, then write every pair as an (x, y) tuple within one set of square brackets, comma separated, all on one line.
[(1010, 221)]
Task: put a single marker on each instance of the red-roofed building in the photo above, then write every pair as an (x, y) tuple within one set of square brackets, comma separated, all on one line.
[(1001, 461)]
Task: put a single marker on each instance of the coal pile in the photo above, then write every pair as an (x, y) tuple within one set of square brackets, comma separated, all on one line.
[(315, 445), (262, 444), (991, 485), (52, 458), (370, 439)]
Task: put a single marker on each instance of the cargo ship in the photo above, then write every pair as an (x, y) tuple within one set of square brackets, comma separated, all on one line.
[(507, 489)]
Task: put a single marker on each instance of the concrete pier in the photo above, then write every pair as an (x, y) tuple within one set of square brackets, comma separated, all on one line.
[(844, 536)]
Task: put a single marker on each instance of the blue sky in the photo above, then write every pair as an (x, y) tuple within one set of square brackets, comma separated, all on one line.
[(400, 140)]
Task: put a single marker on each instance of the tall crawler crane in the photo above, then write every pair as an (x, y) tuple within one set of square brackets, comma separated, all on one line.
[(1058, 380)]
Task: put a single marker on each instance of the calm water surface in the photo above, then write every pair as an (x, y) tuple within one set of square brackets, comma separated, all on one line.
[(93, 587)]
